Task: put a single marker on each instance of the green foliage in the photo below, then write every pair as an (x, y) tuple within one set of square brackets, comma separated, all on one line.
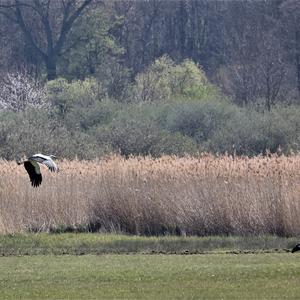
[(176, 111), (250, 132), (22, 133), (153, 84), (188, 79), (78, 239), (35, 131), (140, 136), (86, 117), (164, 79), (198, 119), (64, 95), (174, 144), (132, 137), (90, 44)]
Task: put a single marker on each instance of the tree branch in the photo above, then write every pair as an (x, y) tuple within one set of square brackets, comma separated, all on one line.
[(27, 33), (44, 14), (23, 4), (8, 16), (67, 23)]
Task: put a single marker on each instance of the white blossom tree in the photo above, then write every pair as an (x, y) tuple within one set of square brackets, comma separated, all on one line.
[(19, 91)]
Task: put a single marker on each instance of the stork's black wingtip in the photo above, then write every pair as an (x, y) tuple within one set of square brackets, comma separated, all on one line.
[(35, 184)]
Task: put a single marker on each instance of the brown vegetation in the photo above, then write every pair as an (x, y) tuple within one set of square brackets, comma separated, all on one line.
[(201, 196)]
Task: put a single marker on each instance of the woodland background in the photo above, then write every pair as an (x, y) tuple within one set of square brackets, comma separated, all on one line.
[(87, 78)]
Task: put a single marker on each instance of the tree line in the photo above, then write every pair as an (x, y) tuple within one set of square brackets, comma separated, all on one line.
[(90, 77), (251, 49), (170, 108)]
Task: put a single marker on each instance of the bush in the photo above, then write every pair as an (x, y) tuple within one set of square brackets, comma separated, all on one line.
[(188, 79), (173, 144), (154, 84), (64, 95), (143, 137), (94, 114), (198, 119), (130, 137), (26, 133), (164, 79), (116, 79), (251, 132), (180, 113), (34, 131), (137, 130)]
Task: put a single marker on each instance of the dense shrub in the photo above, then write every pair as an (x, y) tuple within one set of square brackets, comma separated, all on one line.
[(153, 84), (64, 95), (199, 119), (164, 79), (33, 131), (143, 137), (174, 144), (96, 113), (188, 79), (250, 132), (180, 113)]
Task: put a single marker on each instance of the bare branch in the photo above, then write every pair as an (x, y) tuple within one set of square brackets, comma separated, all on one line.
[(8, 16), (67, 23), (25, 30)]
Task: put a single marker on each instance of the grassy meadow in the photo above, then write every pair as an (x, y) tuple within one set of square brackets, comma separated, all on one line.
[(203, 195), (110, 266), (99, 244), (215, 276)]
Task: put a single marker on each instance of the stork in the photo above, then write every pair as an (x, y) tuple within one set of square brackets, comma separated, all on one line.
[(33, 169), (296, 248)]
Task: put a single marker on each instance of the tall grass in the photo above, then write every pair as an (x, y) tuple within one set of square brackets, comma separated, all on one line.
[(190, 195)]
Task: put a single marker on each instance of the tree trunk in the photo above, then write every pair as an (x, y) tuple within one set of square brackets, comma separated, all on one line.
[(51, 68), (297, 50)]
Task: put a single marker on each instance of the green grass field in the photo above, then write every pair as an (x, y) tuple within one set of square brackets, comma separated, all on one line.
[(211, 276), (91, 243), (100, 266)]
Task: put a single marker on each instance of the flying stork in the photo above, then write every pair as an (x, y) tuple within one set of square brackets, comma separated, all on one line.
[(296, 248), (33, 169)]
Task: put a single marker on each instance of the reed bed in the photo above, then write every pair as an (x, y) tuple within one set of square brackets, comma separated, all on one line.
[(203, 195)]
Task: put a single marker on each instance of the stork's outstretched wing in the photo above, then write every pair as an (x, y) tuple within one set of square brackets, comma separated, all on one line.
[(45, 160), (51, 165)]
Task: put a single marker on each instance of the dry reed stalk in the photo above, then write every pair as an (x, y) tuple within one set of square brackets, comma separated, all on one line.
[(188, 195)]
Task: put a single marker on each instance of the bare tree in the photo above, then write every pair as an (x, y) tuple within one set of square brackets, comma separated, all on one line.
[(45, 25), (272, 70), (255, 68), (291, 17)]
